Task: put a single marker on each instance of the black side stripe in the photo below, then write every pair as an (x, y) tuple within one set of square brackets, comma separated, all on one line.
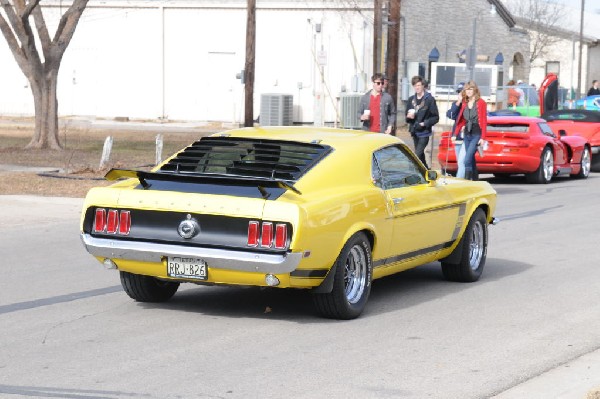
[(413, 254), (424, 251), (309, 273)]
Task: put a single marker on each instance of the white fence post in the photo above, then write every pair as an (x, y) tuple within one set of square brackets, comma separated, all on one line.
[(159, 148), (106, 152)]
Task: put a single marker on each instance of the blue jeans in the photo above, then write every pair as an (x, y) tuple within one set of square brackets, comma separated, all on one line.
[(470, 144)]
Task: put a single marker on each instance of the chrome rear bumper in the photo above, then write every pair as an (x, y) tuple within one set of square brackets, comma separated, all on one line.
[(214, 258)]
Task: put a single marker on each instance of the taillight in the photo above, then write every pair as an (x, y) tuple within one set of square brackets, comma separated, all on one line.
[(100, 221), (268, 234), (280, 236), (124, 223), (253, 234), (266, 237), (112, 222)]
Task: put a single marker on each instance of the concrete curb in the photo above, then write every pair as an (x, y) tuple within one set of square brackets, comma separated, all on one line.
[(571, 380)]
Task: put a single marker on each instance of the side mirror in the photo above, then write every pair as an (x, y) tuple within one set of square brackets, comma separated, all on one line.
[(562, 132), (431, 176)]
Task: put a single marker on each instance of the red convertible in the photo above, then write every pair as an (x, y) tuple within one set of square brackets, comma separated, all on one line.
[(525, 145), (579, 122)]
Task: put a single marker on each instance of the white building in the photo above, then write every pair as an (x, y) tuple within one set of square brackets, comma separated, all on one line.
[(178, 60)]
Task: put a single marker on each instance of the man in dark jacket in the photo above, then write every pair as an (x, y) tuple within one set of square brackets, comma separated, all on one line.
[(594, 90), (376, 108), (421, 115)]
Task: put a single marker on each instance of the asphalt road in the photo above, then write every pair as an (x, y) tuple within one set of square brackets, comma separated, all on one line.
[(528, 329)]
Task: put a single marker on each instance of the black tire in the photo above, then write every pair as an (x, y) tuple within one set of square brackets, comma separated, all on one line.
[(146, 288), (474, 251), (596, 163), (544, 172), (586, 162), (351, 283)]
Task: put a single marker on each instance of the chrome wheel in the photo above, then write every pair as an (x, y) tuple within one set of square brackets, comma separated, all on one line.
[(476, 246), (466, 263), (351, 285), (548, 165), (355, 274)]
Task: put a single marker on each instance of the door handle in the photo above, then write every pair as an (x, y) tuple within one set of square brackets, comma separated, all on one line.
[(396, 201)]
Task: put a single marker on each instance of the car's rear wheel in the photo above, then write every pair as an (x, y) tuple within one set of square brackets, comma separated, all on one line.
[(351, 282), (595, 163), (474, 251), (586, 162), (543, 174), (146, 288)]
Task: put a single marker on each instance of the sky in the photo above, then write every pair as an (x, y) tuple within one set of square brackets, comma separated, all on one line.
[(590, 5), (572, 16)]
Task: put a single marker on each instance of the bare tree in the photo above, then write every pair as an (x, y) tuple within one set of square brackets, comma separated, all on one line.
[(542, 19), (41, 70)]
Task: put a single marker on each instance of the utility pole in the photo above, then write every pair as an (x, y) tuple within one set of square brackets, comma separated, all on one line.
[(579, 88), (392, 51), (249, 65), (377, 33)]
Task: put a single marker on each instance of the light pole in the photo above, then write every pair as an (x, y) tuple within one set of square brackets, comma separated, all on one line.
[(579, 88), (471, 56), (472, 51)]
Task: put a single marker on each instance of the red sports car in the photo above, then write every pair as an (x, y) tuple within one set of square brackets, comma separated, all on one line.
[(579, 122), (525, 145)]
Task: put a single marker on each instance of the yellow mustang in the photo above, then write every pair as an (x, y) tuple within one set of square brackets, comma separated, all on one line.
[(323, 209)]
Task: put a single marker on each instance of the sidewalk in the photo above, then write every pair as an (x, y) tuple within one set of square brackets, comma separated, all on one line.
[(576, 379)]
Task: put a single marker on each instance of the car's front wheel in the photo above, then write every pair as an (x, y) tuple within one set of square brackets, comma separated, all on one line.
[(474, 250), (544, 172), (351, 282), (146, 288)]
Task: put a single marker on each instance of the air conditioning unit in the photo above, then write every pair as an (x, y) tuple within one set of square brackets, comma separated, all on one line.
[(349, 116), (276, 110)]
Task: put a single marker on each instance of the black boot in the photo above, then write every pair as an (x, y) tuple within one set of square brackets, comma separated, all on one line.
[(468, 174)]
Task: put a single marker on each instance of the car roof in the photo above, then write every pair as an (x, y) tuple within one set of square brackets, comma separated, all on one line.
[(333, 137)]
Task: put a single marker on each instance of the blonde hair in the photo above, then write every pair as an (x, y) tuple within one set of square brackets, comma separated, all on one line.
[(472, 85)]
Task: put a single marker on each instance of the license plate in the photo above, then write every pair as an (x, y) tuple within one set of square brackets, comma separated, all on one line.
[(187, 268)]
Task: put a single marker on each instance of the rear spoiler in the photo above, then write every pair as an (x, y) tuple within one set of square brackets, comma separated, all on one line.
[(143, 177)]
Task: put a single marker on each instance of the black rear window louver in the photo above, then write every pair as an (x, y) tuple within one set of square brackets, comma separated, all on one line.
[(234, 156)]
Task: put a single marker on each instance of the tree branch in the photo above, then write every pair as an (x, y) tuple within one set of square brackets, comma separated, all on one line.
[(66, 27)]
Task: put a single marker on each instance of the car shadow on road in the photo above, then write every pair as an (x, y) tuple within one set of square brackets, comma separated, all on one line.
[(426, 283), (389, 294)]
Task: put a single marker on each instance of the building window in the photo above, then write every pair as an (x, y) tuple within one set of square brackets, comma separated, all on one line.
[(552, 67)]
